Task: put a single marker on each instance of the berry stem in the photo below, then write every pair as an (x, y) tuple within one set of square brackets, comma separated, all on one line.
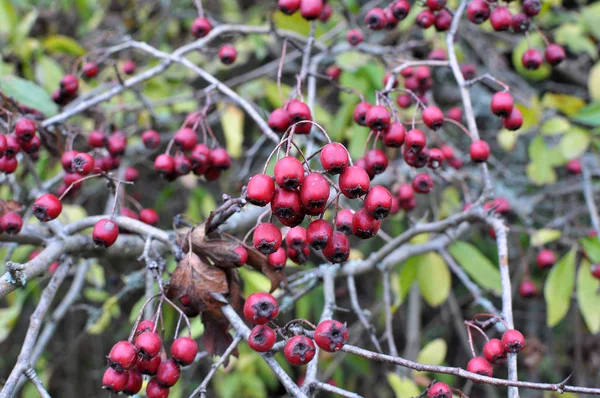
[(200, 8)]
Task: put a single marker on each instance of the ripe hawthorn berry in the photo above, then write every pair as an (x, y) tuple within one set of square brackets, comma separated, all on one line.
[(66, 160), (261, 338), (337, 249), (11, 223), (343, 221), (442, 22), (514, 121), (394, 136), (286, 205), (83, 163), (131, 174), (354, 37), (298, 255), (296, 237), (278, 259), (32, 147), (148, 344), (433, 117), (219, 159), (267, 238), (69, 84), (437, 54), (545, 258), (125, 212), (532, 7), (527, 289), (425, 19), (144, 326), (479, 151), (289, 173), (360, 113), (12, 147), (435, 5), (116, 144), (494, 352), (478, 11), (279, 120), (105, 233), (168, 373), (201, 27), (227, 54), (436, 158), (164, 164), (122, 356), (260, 190), (318, 233), (354, 182), (364, 225), (376, 161), (148, 366), (3, 145), (299, 350), (184, 350), (501, 19), (47, 207), (595, 271), (311, 9), (390, 23), (502, 103), (574, 166), (182, 164), (520, 23), (532, 59), (404, 101), (375, 19), (114, 380), (334, 158), (378, 202), (416, 159), (25, 130), (415, 140), (378, 118), (400, 9), (129, 67), (288, 7), (90, 69), (331, 335), (299, 112), (480, 366), (97, 139), (513, 341), (422, 183), (554, 54), (151, 139), (242, 255), (260, 308), (439, 390), (185, 139), (200, 158), (134, 382), (314, 193)]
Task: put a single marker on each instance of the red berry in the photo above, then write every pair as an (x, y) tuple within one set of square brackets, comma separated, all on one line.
[(528, 289), (3, 145), (331, 335), (90, 69), (148, 366), (144, 326), (131, 174), (436, 158), (288, 7), (155, 390), (455, 163), (468, 71), (481, 366), (386, 80), (514, 121), (125, 212), (151, 139), (311, 9), (296, 237), (520, 23), (25, 130), (337, 249), (595, 270), (390, 22), (314, 193), (8, 165), (219, 159), (416, 159), (114, 380), (200, 158), (122, 356), (480, 151), (501, 19), (574, 166), (299, 350), (116, 144), (278, 259), (185, 139), (354, 37), (442, 22), (267, 238), (242, 254), (182, 164), (478, 11), (433, 117), (532, 7), (415, 140), (554, 54), (168, 373), (299, 255), (378, 118), (69, 84), (261, 189), (494, 352), (12, 146), (129, 67), (343, 221), (105, 233), (47, 207), (425, 19), (164, 164), (532, 59), (11, 223), (286, 205), (184, 350), (354, 182), (318, 233), (279, 120), (289, 173), (334, 157), (134, 382), (404, 101), (227, 54), (500, 206), (378, 202), (502, 103), (360, 113), (376, 162), (261, 338), (400, 9), (375, 19), (439, 390), (97, 139), (148, 344), (364, 225), (32, 147), (435, 5), (83, 163), (546, 258), (299, 112), (513, 341), (422, 183), (67, 160), (394, 136), (201, 27), (260, 308)]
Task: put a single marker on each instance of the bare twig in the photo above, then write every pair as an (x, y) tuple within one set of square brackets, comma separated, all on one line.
[(213, 369)]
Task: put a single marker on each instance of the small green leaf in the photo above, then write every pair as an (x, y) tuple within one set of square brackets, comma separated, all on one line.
[(8, 18), (403, 387), (59, 44), (532, 114), (232, 120), (407, 276), (95, 295), (556, 125), (589, 115), (434, 353), (573, 36), (24, 27), (588, 297), (48, 73), (544, 236), (95, 275), (574, 143), (434, 279), (594, 82), (591, 248), (29, 94), (507, 139), (567, 104), (559, 288), (477, 266), (590, 16)]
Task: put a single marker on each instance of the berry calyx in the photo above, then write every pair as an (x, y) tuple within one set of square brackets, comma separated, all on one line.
[(480, 366), (122, 356), (261, 338), (299, 350), (494, 352), (83, 163), (260, 308), (168, 373), (267, 238), (105, 233), (439, 390), (479, 151), (331, 335), (513, 341), (184, 350), (337, 249), (47, 207)]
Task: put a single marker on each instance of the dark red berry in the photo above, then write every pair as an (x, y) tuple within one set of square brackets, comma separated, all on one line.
[(184, 350), (148, 344), (435, 5), (97, 139), (227, 54), (314, 193), (242, 255), (514, 121), (595, 270), (425, 19), (67, 160), (422, 183), (400, 9), (219, 159), (105, 233), (114, 380), (318, 233), (364, 225), (286, 205), (116, 144), (3, 145), (354, 37), (134, 382), (528, 289), (90, 69), (182, 165), (11, 223), (185, 139), (433, 117), (394, 136), (494, 352), (288, 7), (480, 366), (331, 335), (151, 139), (502, 103), (279, 120), (574, 166), (360, 113), (337, 249), (261, 189), (69, 84), (299, 350), (267, 238), (278, 259), (201, 27), (129, 67), (513, 341), (404, 101), (343, 221), (83, 163), (261, 338), (131, 174), (546, 259), (436, 158), (311, 9), (298, 255), (122, 356), (260, 308), (144, 326), (375, 19), (479, 151), (439, 390), (12, 146), (47, 207), (532, 59), (478, 11), (148, 366), (299, 112), (296, 237), (376, 162), (520, 22), (415, 140), (164, 164), (468, 71), (554, 54), (378, 202), (289, 173), (442, 22), (25, 130), (354, 182), (501, 19), (200, 158), (532, 7), (32, 146), (390, 22), (334, 158), (168, 373)]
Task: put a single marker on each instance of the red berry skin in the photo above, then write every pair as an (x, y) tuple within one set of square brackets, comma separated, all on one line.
[(164, 164), (90, 69), (331, 335), (227, 54), (574, 166), (8, 165), (390, 23), (502, 103), (545, 259), (125, 212), (69, 84), (376, 161), (168, 373), (528, 289), (501, 19), (400, 9), (334, 158), (416, 159), (267, 238), (289, 173), (114, 381), (469, 71), (554, 54), (479, 151), (494, 352), (25, 130), (435, 5), (184, 350), (129, 67), (278, 259), (433, 117), (299, 112), (122, 356), (318, 233), (148, 366), (364, 225), (394, 136), (131, 174), (314, 193), (144, 326), (83, 163), (67, 160), (532, 59), (298, 255), (311, 9), (97, 139), (116, 144), (439, 390), (422, 183), (378, 118), (436, 158), (478, 11), (360, 113), (286, 205), (32, 147), (47, 207), (375, 19), (299, 350), (513, 341), (354, 182), (151, 139), (595, 270), (262, 338), (415, 140), (404, 101), (11, 223), (296, 237), (3, 145), (12, 146), (185, 139), (201, 27), (219, 159), (425, 19), (148, 344), (480, 366), (279, 120), (532, 7), (354, 37), (134, 383), (442, 22), (520, 23), (406, 193), (378, 202), (105, 233), (343, 221), (337, 249), (260, 190), (155, 390), (260, 308), (288, 7), (242, 254), (514, 121)]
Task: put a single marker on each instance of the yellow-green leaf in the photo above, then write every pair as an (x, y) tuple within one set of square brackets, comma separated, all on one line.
[(434, 279), (434, 353), (232, 120), (28, 93), (24, 27), (477, 266), (576, 39), (71, 213), (556, 125), (541, 173), (574, 143), (59, 44), (403, 387), (95, 275), (254, 282), (48, 73), (532, 114), (8, 17), (543, 236), (588, 297), (594, 82), (559, 288), (567, 104), (408, 274), (591, 248), (507, 139)]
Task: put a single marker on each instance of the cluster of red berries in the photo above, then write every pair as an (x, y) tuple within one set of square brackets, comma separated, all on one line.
[(495, 352), (309, 9), (69, 85), (23, 138), (262, 308), (503, 105), (127, 362), (388, 17)]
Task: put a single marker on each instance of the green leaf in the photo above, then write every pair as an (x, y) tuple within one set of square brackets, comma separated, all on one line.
[(594, 81), (95, 275), (59, 44), (589, 115), (540, 169), (29, 94), (48, 73), (254, 282), (591, 248), (477, 266), (567, 104), (556, 125), (507, 139), (450, 202), (407, 276), (434, 353), (403, 387), (24, 27), (232, 120), (8, 18), (434, 279), (588, 297), (559, 287), (590, 16), (544, 236), (532, 114), (573, 36), (574, 143)]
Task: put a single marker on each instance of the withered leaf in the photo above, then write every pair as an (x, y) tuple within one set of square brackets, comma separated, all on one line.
[(216, 338)]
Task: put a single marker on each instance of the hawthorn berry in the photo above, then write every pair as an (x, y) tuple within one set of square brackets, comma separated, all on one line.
[(299, 255), (442, 22), (90, 69), (47, 207), (125, 212), (545, 258), (12, 146), (493, 351), (595, 270), (286, 205), (260, 190), (532, 59), (296, 237), (394, 136), (514, 121), (337, 249), (314, 193), (149, 366), (260, 308), (439, 390), (184, 350), (105, 233), (334, 158), (554, 54), (3, 145), (375, 19), (69, 84), (378, 202), (227, 54), (219, 159), (11, 223), (25, 130), (520, 23), (279, 120), (376, 161), (97, 139), (278, 259), (299, 350), (480, 366), (164, 164), (66, 160), (114, 381), (201, 27), (129, 67), (182, 165), (532, 7), (299, 112), (331, 335), (311, 9), (360, 113), (32, 146), (267, 238), (433, 117), (478, 11), (501, 19), (404, 101), (144, 326), (318, 233), (354, 37), (148, 344), (436, 158), (261, 338), (168, 373), (364, 225), (390, 23), (513, 341), (468, 71), (185, 139), (83, 163), (200, 158), (479, 151), (122, 356), (151, 139), (416, 159), (435, 5), (422, 183), (574, 166), (502, 103), (400, 9), (134, 382), (288, 7), (343, 221), (354, 182), (116, 144), (415, 140), (425, 19), (527, 289), (131, 174)]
